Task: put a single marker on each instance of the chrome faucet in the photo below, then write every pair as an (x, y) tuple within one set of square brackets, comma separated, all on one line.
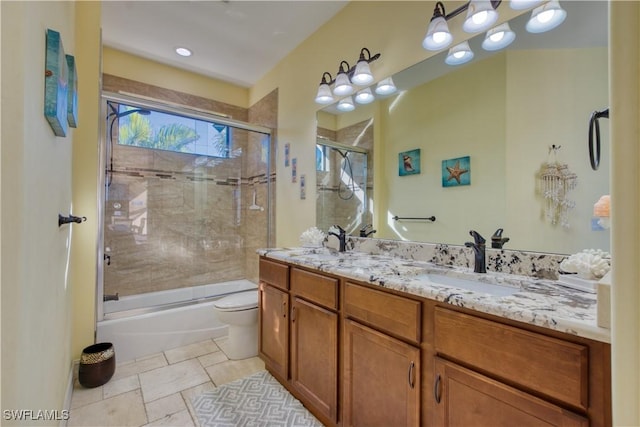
[(342, 237), (478, 246), (497, 241), (367, 230)]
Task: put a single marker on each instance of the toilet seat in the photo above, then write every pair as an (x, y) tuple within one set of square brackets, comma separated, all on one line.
[(237, 302)]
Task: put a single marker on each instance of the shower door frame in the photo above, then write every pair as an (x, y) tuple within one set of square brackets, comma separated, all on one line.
[(338, 146), (171, 108)]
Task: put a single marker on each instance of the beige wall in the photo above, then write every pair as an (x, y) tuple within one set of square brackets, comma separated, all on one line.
[(132, 67)]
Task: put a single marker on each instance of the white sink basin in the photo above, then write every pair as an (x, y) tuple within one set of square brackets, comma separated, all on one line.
[(472, 285)]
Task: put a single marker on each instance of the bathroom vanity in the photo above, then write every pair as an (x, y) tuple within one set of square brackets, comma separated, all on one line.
[(372, 340)]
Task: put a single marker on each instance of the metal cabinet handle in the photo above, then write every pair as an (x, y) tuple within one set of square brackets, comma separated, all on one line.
[(411, 375), (436, 389), (293, 313), (284, 309)]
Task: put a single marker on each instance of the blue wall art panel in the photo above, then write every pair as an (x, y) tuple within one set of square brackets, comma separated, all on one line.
[(409, 162), (56, 84), (72, 95), (456, 172)]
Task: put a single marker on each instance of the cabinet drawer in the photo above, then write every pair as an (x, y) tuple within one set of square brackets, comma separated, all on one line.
[(553, 367), (274, 273), (390, 313), (315, 287)]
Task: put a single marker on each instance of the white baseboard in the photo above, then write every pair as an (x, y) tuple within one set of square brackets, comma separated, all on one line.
[(67, 398)]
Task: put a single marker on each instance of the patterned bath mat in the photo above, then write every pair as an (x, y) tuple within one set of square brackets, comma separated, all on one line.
[(257, 400)]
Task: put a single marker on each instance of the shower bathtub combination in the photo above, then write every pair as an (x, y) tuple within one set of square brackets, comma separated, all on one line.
[(186, 201)]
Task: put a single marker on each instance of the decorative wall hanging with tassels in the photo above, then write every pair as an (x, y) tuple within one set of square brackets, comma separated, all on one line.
[(556, 181)]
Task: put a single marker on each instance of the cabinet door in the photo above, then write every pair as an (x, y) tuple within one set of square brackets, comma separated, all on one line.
[(381, 379), (465, 398), (314, 356), (274, 329)]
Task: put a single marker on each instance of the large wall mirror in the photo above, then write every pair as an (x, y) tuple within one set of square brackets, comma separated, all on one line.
[(508, 114)]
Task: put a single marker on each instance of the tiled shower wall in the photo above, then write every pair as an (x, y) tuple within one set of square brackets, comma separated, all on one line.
[(176, 220), (330, 208)]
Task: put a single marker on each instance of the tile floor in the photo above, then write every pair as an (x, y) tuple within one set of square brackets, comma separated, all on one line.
[(157, 390)]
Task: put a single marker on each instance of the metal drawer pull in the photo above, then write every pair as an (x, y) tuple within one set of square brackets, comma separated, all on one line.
[(411, 379), (436, 389), (284, 309), (293, 313)]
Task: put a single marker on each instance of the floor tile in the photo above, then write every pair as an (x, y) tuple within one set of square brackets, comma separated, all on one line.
[(212, 358), (232, 370), (181, 419), (171, 379), (122, 410), (122, 385), (82, 396), (190, 351), (140, 365), (165, 406)]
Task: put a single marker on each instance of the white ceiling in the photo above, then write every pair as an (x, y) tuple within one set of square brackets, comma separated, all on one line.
[(235, 41)]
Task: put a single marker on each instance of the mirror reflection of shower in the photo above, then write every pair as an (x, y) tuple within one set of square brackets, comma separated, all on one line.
[(343, 186)]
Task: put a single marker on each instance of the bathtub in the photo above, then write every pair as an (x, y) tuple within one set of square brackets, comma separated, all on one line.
[(141, 325)]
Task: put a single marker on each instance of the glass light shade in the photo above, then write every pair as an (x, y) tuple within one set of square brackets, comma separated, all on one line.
[(546, 17), (343, 85), (480, 16), (498, 37), (324, 95), (459, 54), (385, 86), (438, 35), (365, 96), (523, 4), (346, 104), (362, 75)]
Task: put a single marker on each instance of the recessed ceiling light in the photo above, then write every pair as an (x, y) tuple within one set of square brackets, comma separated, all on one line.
[(183, 51)]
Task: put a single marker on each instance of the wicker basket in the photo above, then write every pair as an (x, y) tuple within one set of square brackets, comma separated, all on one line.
[(97, 365)]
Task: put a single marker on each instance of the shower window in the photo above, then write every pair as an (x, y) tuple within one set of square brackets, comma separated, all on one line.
[(146, 128)]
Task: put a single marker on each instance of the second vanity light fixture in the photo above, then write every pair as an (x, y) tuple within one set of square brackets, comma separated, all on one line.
[(347, 77), (481, 16)]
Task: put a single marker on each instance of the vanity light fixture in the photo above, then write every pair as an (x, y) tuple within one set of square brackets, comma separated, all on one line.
[(347, 76), (459, 54), (324, 95), (481, 15), (183, 51), (386, 87), (438, 34), (343, 83), (546, 17), (346, 104), (498, 37), (365, 96)]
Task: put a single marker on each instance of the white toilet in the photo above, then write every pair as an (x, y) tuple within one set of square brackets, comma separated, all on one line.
[(240, 312)]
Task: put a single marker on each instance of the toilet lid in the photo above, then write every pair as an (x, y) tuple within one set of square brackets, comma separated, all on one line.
[(240, 301)]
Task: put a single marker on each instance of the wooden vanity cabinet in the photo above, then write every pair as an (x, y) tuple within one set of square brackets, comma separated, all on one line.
[(273, 317), (467, 398), (497, 373), (314, 341), (382, 371)]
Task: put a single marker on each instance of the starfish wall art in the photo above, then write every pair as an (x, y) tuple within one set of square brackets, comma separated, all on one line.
[(456, 172)]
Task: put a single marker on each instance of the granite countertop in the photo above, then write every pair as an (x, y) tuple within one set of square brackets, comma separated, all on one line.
[(543, 303)]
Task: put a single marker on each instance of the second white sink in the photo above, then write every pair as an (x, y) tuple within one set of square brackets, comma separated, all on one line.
[(472, 285)]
